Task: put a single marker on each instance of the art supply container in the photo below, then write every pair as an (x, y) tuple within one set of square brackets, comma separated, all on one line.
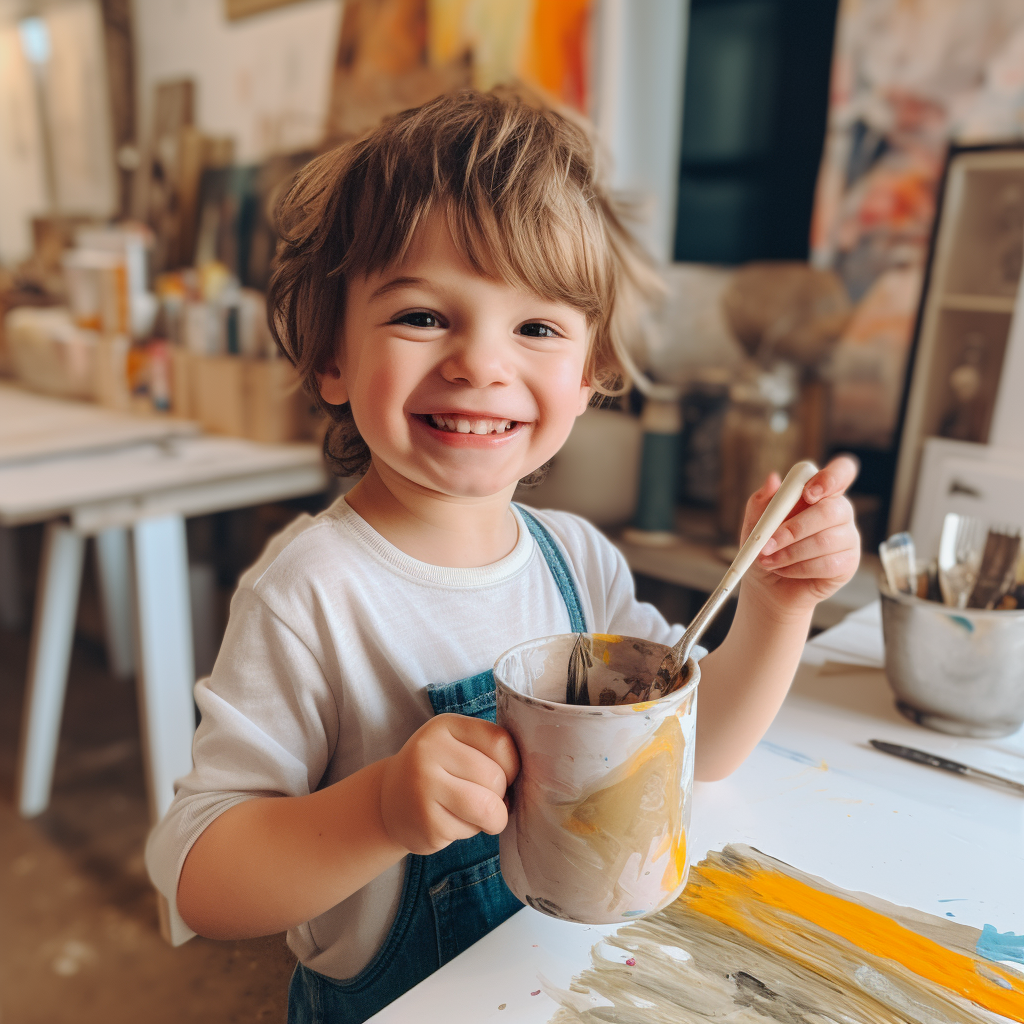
[(600, 809), (958, 671)]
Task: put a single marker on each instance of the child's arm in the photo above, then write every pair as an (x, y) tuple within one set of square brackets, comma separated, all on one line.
[(269, 863), (744, 681)]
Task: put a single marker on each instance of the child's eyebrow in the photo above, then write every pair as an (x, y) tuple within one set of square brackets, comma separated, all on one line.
[(396, 282)]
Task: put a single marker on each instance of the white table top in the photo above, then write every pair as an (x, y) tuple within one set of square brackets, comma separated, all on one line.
[(178, 475), (34, 426), (816, 796)]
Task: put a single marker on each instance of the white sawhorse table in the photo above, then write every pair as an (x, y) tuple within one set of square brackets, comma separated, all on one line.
[(147, 491)]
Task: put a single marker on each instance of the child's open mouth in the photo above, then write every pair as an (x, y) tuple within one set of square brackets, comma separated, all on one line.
[(465, 425)]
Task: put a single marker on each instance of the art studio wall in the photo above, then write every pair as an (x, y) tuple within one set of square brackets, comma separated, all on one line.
[(264, 79)]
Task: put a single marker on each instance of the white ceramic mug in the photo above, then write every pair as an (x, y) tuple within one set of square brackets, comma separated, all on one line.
[(601, 808)]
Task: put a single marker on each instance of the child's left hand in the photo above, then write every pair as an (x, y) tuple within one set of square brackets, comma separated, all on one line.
[(817, 549)]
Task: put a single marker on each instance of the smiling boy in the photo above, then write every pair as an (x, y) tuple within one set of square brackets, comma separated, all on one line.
[(452, 289)]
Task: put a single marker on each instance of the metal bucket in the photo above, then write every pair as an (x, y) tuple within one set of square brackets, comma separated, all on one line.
[(958, 671), (600, 810)]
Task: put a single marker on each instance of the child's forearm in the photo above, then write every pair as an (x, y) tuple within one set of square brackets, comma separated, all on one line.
[(744, 682), (270, 863)]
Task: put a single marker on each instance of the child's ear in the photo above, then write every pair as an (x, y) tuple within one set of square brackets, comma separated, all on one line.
[(586, 392), (331, 382)]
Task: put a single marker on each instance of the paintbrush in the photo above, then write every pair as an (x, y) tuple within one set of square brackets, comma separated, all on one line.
[(934, 761), (576, 691), (899, 562), (671, 672), (998, 568), (959, 558)]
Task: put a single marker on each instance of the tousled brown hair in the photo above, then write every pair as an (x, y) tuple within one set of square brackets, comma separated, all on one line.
[(516, 184)]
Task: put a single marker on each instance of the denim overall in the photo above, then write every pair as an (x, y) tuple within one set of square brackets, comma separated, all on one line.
[(450, 898)]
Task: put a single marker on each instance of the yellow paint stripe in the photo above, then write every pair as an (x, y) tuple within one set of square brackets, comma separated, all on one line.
[(732, 899)]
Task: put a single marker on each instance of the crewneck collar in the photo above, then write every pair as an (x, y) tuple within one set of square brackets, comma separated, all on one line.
[(448, 576)]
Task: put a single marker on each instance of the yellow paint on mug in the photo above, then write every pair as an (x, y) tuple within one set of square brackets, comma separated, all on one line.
[(638, 804)]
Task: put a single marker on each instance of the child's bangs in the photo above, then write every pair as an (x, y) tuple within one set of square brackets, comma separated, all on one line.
[(539, 254)]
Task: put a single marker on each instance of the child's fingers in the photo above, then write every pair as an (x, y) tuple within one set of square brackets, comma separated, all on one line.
[(488, 738), (836, 565), (832, 479), (829, 541), (829, 512), (472, 765), (474, 808)]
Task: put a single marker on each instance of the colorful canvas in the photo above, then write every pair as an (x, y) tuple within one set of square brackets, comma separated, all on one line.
[(752, 939), (907, 77), (395, 54)]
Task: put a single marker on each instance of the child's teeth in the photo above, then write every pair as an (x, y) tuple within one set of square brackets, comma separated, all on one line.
[(462, 425)]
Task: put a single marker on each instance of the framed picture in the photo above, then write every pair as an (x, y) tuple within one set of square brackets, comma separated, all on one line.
[(967, 307), (978, 480)]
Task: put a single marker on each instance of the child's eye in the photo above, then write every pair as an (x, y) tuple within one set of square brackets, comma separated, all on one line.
[(533, 329), (419, 318)]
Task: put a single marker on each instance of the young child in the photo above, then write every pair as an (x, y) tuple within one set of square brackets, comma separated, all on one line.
[(453, 288)]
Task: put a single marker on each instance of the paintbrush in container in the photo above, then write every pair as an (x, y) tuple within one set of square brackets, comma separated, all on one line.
[(960, 549), (900, 563), (998, 568), (672, 671), (576, 690)]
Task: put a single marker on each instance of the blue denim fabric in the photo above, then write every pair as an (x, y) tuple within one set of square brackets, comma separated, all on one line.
[(450, 898)]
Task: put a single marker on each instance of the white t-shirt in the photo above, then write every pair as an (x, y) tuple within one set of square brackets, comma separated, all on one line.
[(333, 637)]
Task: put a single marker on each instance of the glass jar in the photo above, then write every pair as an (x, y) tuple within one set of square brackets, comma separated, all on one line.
[(761, 434)]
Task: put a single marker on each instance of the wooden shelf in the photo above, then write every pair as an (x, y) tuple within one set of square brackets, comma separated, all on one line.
[(978, 303)]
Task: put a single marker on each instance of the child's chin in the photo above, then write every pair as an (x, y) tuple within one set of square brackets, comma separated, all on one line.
[(472, 486)]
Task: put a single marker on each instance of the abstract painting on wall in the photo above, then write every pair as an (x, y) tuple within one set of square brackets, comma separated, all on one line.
[(752, 939), (907, 78), (395, 54)]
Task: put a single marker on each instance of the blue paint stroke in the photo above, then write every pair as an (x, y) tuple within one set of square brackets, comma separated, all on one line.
[(961, 620), (958, 899), (793, 755), (993, 945)]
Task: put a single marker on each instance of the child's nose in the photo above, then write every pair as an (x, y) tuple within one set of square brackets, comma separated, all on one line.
[(477, 358)]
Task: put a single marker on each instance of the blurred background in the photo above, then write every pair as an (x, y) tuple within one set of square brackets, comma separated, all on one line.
[(833, 189)]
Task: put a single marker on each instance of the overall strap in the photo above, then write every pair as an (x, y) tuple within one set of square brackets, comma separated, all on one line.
[(559, 569)]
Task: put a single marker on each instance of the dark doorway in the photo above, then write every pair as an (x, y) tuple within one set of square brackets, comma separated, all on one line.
[(757, 82)]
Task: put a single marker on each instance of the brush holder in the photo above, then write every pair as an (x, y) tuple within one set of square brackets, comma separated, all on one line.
[(600, 810), (958, 671)]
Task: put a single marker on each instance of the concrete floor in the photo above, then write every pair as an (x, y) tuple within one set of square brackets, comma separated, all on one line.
[(79, 940), (78, 922)]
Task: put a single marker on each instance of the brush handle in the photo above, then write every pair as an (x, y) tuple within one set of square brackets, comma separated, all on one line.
[(782, 503), (934, 761)]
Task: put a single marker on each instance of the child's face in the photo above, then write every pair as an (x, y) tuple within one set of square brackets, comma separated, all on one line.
[(430, 345)]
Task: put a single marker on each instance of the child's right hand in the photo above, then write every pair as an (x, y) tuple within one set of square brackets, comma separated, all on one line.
[(448, 782)]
